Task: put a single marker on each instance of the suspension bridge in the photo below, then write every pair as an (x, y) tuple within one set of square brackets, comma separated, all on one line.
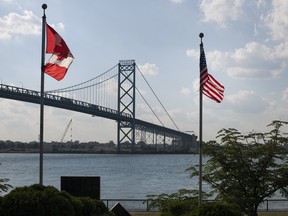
[(112, 95)]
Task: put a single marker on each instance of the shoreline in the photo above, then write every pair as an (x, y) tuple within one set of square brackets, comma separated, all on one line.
[(94, 152)]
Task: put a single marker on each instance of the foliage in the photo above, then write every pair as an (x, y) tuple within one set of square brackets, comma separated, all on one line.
[(183, 202), (38, 200), (4, 187), (93, 207), (246, 169), (218, 209)]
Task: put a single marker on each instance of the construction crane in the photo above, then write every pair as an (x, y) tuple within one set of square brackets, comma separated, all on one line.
[(66, 130)]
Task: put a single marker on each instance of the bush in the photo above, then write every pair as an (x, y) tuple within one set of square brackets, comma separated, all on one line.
[(181, 203), (218, 209), (38, 200), (93, 207), (182, 207)]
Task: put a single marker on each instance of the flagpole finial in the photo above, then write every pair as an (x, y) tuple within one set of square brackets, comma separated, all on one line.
[(44, 6), (201, 35)]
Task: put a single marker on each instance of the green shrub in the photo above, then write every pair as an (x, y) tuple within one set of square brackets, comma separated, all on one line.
[(78, 206), (38, 200), (218, 209), (184, 202), (175, 207), (182, 207)]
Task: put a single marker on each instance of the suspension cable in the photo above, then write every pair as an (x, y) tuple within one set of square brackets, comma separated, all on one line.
[(158, 98), (149, 107), (67, 89), (147, 103), (81, 87)]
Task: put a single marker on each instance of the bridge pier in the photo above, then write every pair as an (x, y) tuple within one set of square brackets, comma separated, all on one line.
[(126, 103)]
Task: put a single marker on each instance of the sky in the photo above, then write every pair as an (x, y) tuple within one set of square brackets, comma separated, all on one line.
[(246, 46)]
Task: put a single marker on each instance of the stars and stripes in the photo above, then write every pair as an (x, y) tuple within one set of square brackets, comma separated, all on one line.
[(210, 86)]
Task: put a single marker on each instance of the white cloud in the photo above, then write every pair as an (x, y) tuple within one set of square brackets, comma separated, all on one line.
[(196, 85), (192, 53), (221, 11), (149, 69), (185, 91), (277, 19), (111, 87), (285, 95), (281, 50), (255, 30), (60, 26), (17, 115), (14, 24), (253, 61), (247, 102), (218, 59), (260, 3), (178, 1)]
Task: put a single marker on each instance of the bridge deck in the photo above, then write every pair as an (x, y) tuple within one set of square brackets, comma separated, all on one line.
[(32, 96)]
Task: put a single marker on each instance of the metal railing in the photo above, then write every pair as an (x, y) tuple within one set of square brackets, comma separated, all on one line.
[(142, 204), (274, 205), (129, 204)]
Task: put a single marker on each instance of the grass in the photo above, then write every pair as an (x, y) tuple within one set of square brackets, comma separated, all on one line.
[(259, 214), (272, 213), (145, 213)]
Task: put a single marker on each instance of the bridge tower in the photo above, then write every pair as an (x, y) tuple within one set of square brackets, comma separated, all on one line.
[(126, 103)]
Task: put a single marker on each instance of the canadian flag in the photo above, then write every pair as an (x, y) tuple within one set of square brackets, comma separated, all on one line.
[(61, 58)]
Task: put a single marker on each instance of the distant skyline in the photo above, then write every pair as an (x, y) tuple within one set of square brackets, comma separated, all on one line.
[(246, 46)]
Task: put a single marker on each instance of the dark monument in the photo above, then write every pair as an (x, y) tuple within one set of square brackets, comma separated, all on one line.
[(81, 186)]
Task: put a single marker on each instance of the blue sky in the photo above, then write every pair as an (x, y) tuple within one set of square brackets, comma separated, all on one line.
[(246, 45)]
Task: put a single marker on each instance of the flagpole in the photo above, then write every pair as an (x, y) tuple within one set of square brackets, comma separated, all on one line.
[(201, 35), (44, 7)]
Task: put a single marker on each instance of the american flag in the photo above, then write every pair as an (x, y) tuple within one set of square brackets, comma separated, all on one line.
[(210, 86)]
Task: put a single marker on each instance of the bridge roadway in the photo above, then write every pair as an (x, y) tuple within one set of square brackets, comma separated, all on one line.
[(31, 96)]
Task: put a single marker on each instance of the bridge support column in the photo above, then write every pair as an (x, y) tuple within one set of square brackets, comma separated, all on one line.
[(126, 104)]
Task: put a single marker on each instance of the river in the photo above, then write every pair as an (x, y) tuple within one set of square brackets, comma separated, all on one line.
[(122, 176)]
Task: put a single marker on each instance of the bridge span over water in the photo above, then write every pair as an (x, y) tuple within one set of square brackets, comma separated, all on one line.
[(130, 130)]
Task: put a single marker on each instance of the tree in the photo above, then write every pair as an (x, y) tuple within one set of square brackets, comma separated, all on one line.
[(4, 186), (247, 169), (179, 203)]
